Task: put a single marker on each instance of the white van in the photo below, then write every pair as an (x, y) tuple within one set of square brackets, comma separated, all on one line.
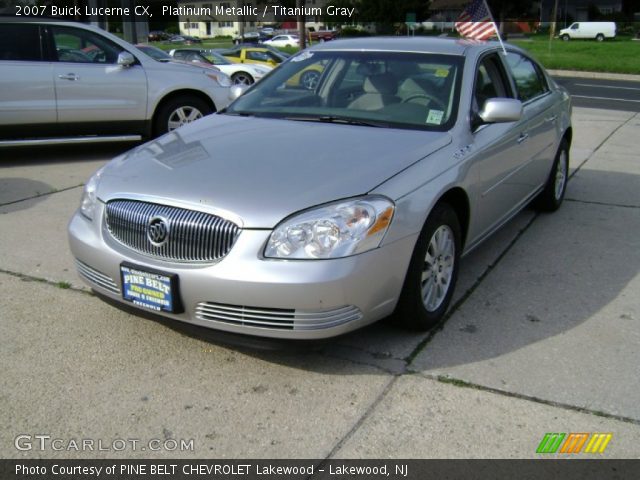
[(597, 30)]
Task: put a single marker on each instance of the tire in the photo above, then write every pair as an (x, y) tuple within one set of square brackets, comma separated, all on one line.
[(309, 80), (600, 37), (550, 199), (242, 78), (565, 37), (417, 308), (179, 111)]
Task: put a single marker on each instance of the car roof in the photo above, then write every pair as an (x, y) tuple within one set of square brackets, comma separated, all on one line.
[(447, 46)]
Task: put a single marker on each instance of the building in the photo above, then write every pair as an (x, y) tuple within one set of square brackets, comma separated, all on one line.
[(209, 18)]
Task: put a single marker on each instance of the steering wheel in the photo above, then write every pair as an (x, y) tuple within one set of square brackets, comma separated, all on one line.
[(430, 98)]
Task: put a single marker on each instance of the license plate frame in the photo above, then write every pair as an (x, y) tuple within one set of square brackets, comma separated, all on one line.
[(150, 289)]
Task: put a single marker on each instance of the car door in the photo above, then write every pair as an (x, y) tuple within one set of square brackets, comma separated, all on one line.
[(539, 138), (499, 152), (27, 95), (89, 84)]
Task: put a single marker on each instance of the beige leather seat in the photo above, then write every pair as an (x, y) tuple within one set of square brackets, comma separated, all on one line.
[(379, 91)]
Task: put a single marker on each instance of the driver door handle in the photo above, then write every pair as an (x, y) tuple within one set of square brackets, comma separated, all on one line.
[(522, 137), (69, 76)]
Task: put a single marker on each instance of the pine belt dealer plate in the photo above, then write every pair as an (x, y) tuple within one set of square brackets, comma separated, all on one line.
[(150, 289)]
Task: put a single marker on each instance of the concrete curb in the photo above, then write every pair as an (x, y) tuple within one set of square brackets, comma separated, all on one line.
[(598, 75)]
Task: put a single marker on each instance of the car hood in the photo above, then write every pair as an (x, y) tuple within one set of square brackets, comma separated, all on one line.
[(258, 171)]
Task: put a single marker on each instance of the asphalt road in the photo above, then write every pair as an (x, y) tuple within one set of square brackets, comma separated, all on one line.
[(606, 94)]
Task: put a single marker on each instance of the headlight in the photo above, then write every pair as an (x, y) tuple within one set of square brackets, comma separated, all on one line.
[(89, 198), (332, 231), (222, 78)]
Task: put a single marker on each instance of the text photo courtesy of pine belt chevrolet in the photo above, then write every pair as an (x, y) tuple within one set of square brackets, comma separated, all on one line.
[(69, 79), (305, 213)]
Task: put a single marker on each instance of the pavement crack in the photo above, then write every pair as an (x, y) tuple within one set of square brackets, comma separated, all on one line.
[(595, 150), (31, 278), (457, 305), (363, 417), (604, 204), (551, 403), (52, 192)]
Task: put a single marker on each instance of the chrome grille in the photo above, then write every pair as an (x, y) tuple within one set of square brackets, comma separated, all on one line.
[(97, 278), (193, 236), (276, 318)]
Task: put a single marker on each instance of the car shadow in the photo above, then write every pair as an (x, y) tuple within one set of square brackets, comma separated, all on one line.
[(543, 261)]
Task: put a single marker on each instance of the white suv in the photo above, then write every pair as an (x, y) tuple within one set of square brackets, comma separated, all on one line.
[(66, 79)]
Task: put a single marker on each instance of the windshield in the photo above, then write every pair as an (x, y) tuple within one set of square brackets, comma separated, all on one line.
[(390, 89), (217, 59)]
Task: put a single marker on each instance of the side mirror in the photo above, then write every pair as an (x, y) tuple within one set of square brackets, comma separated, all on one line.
[(236, 90), (501, 110), (125, 59)]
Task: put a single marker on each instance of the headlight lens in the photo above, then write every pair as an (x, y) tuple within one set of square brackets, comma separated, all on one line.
[(222, 78), (89, 195), (332, 231)]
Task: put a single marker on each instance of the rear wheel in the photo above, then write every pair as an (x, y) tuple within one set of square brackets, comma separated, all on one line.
[(242, 78), (309, 79), (600, 37), (552, 196), (433, 271), (179, 111)]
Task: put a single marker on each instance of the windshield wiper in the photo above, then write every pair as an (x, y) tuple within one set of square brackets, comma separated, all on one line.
[(338, 119)]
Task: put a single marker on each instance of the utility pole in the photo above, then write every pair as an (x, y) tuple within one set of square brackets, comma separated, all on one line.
[(302, 31)]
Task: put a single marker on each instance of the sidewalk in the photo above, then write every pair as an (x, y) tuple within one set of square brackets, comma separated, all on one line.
[(543, 337)]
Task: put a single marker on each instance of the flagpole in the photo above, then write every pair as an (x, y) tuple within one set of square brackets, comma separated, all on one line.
[(495, 26)]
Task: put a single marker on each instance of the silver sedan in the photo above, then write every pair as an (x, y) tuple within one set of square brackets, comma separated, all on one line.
[(306, 212)]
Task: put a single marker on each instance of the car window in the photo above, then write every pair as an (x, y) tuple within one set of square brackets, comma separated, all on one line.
[(20, 42), (529, 81), (489, 82), (82, 46), (259, 56)]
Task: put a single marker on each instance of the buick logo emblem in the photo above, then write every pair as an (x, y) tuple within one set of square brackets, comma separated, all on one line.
[(158, 231)]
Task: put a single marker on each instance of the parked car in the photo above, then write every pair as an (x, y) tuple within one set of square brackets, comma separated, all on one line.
[(184, 39), (258, 55), (322, 35), (283, 41), (241, 74), (69, 79), (593, 30), (252, 38), (158, 36), (307, 213)]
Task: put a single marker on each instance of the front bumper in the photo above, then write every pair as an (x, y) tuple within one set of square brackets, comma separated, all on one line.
[(244, 293)]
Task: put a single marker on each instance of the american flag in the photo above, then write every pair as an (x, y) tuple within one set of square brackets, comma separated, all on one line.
[(475, 21)]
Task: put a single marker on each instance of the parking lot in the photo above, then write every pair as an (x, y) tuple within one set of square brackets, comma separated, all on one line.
[(543, 336)]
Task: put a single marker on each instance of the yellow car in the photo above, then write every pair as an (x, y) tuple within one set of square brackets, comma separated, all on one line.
[(259, 55)]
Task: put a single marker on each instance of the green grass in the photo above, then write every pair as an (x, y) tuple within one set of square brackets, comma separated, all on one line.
[(621, 55)]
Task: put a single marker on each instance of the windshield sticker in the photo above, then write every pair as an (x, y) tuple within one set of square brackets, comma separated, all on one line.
[(442, 73), (435, 117), (302, 56)]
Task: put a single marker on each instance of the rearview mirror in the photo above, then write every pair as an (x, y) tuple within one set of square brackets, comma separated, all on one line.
[(501, 110), (125, 59)]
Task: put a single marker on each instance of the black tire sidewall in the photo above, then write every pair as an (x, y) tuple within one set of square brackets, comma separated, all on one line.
[(242, 74), (411, 310), (547, 200)]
